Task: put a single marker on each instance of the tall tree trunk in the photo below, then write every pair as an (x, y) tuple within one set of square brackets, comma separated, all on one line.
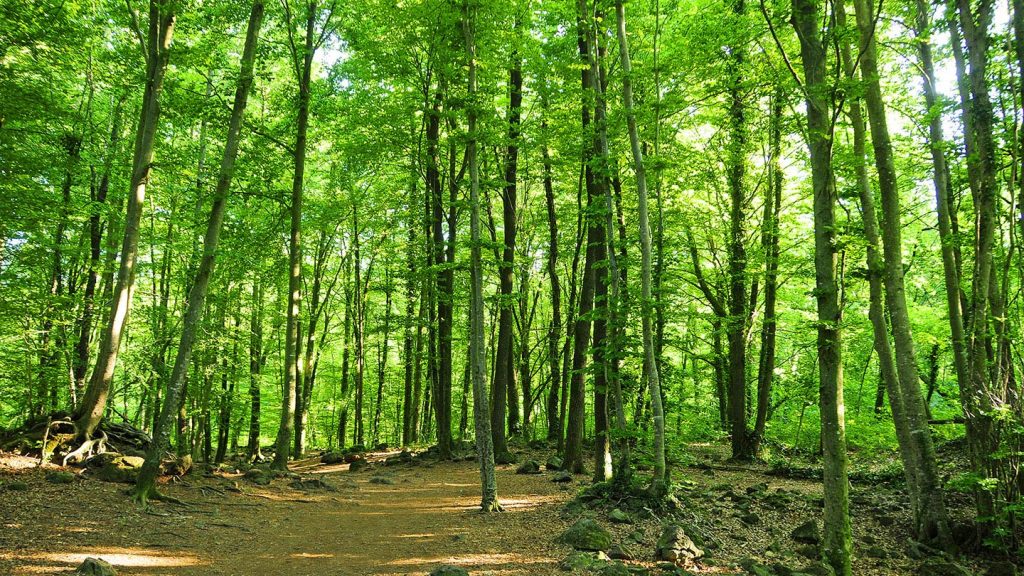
[(161, 30), (837, 541), (359, 303), (659, 482), (770, 247), (303, 62), (411, 326), (943, 205), (931, 517), (736, 323), (146, 483), (504, 369), (85, 325), (382, 364), (555, 328), (485, 451), (257, 357), (978, 401)]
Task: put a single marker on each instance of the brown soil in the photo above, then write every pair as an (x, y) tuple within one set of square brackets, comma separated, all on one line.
[(422, 516), (428, 517)]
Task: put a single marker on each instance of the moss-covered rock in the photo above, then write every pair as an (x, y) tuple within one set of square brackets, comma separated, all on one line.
[(586, 534)]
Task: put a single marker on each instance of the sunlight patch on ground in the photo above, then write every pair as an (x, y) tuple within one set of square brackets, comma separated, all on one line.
[(116, 556), (472, 560), (311, 555)]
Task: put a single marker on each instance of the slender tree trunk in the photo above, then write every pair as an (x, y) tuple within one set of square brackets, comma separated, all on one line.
[(257, 357), (837, 541), (555, 328), (770, 246), (411, 327), (931, 519), (485, 451), (359, 303), (146, 483), (382, 364), (99, 199), (303, 63), (659, 482), (161, 29)]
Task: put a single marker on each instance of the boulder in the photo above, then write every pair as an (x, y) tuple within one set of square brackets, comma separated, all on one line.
[(587, 534), (332, 457), (259, 476), (562, 477), (817, 568), (95, 567), (674, 545), (357, 465), (619, 552), (177, 466), (59, 477), (617, 516), (114, 467), (16, 486), (584, 561), (807, 533), (614, 569), (553, 464), (529, 467)]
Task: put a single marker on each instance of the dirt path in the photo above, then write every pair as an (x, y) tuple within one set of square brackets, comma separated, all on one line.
[(424, 518)]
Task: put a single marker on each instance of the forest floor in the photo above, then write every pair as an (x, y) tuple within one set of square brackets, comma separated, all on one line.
[(411, 518)]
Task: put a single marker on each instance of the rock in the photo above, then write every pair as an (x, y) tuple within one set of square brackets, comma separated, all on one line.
[(562, 477), (529, 467), (1002, 568), (809, 551), (750, 519), (95, 567), (877, 552), (332, 457), (618, 552), (554, 464), (259, 476), (310, 484), (751, 566), (617, 516), (113, 467), (448, 571), (674, 545), (384, 480), (614, 569), (584, 561), (941, 567), (16, 486), (757, 488), (177, 466), (587, 534), (404, 457), (807, 533), (60, 477), (357, 465)]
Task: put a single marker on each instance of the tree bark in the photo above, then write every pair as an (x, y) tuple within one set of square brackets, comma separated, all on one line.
[(485, 451), (161, 31), (837, 541), (659, 482), (146, 483)]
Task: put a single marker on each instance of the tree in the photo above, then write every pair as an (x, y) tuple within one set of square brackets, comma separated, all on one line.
[(145, 487)]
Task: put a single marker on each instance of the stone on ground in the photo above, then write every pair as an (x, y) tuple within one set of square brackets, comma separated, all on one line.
[(529, 467), (674, 545), (617, 516), (60, 477), (553, 464), (584, 561), (807, 533), (95, 567), (587, 534)]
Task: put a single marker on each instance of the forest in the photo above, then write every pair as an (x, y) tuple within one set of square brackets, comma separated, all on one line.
[(704, 286)]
